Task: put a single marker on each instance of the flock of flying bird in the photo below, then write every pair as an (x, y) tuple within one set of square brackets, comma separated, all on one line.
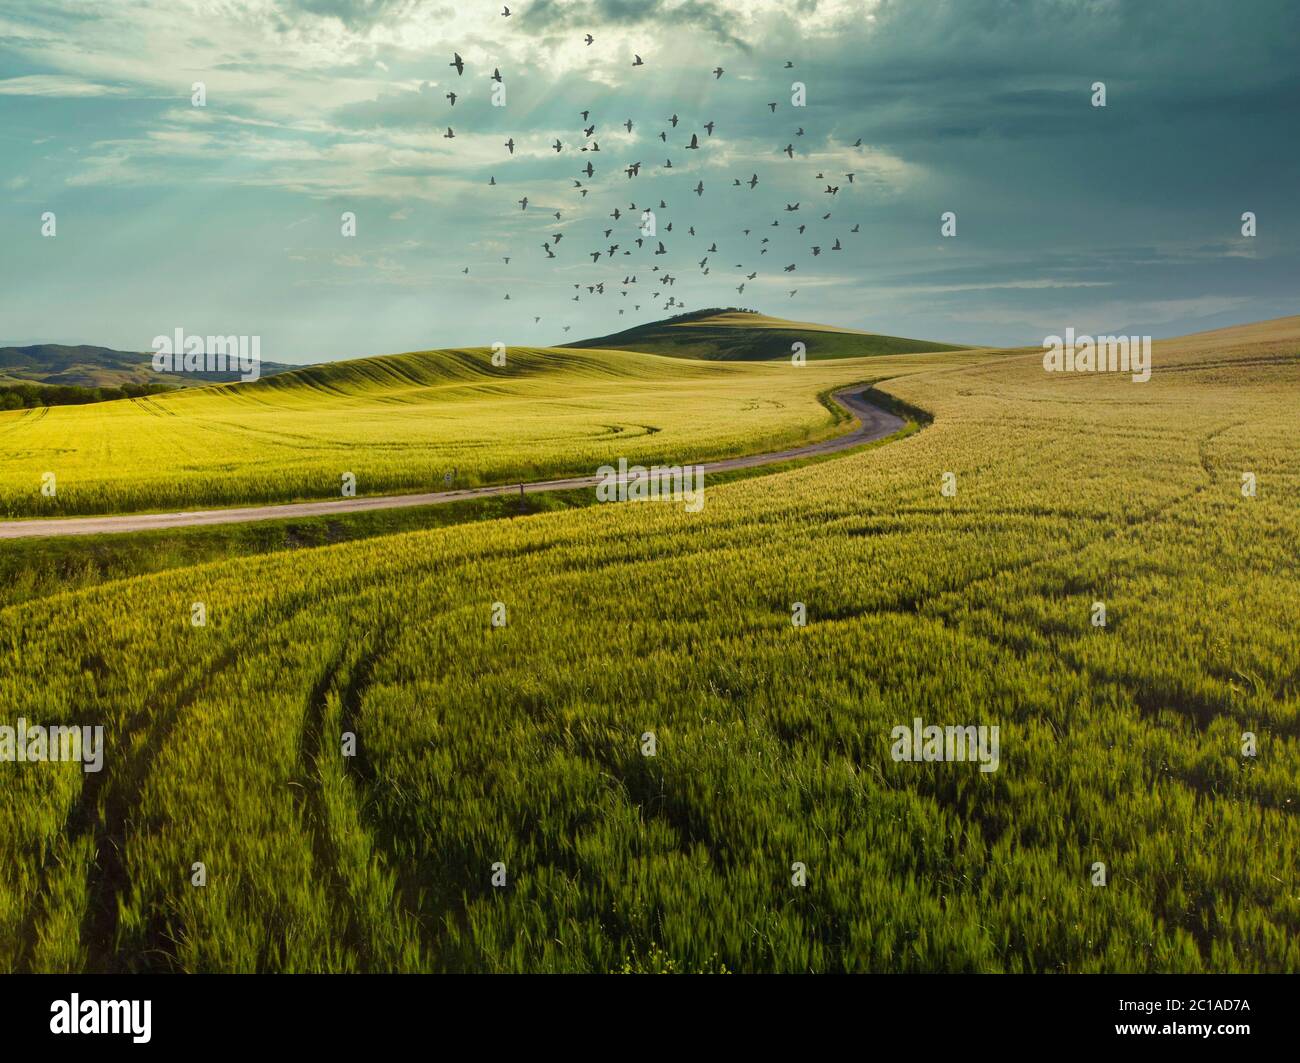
[(638, 237)]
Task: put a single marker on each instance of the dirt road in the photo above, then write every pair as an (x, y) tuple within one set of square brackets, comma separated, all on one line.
[(873, 423)]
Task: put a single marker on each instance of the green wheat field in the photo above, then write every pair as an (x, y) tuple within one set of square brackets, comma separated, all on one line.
[(514, 751)]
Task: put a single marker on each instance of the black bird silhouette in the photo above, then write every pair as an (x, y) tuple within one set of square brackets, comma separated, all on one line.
[(458, 63), (556, 145), (850, 177), (511, 145), (589, 39), (708, 127), (788, 64), (773, 106), (695, 142), (717, 72), (496, 73), (588, 171), (505, 13), (523, 203), (699, 191), (452, 96), (753, 181), (789, 150), (792, 206), (636, 60), (673, 119), (790, 268), (628, 125)]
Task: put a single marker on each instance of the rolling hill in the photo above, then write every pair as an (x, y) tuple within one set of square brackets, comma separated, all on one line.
[(400, 423), (744, 335), (95, 367)]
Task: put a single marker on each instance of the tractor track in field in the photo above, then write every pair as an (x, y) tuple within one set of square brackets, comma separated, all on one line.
[(874, 424)]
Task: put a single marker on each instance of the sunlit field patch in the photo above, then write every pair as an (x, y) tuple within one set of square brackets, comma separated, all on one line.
[(404, 423)]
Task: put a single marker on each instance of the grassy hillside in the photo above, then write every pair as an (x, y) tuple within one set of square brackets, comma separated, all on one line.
[(739, 335), (400, 423), (93, 367), (522, 745)]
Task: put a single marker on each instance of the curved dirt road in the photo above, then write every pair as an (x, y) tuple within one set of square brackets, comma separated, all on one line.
[(873, 423)]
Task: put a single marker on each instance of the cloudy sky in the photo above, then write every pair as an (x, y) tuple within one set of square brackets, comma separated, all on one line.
[(227, 218)]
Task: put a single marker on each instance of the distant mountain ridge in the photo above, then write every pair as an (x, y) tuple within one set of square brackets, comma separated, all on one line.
[(89, 366), (734, 334)]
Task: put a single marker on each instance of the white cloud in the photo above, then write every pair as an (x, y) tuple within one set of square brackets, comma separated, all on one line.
[(56, 85)]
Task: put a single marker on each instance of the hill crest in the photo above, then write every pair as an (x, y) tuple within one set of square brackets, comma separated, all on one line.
[(737, 334), (86, 365)]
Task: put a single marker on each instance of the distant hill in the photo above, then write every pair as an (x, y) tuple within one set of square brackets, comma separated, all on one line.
[(745, 335), (90, 367)]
